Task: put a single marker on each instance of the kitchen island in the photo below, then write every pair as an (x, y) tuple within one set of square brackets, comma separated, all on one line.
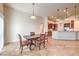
[(65, 35)]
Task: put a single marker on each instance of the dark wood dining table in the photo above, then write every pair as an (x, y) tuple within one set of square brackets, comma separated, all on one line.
[(32, 39)]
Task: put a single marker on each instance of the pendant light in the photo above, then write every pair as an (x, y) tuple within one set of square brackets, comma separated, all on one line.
[(66, 13), (75, 12), (33, 16), (57, 15)]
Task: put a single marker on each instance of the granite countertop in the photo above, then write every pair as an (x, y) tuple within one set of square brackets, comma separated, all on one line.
[(65, 31)]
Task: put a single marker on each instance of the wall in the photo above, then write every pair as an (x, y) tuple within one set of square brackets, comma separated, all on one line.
[(46, 24), (1, 9), (76, 23), (19, 22), (1, 28), (60, 26)]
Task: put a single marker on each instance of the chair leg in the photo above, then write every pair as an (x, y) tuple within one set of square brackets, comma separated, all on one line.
[(20, 47), (21, 50), (39, 47), (47, 40), (30, 47), (44, 45), (35, 43)]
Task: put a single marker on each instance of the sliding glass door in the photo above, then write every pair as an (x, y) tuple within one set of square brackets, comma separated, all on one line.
[(1, 33)]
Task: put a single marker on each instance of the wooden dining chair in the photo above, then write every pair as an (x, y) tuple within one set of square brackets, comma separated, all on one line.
[(32, 33), (22, 42), (41, 41), (46, 37)]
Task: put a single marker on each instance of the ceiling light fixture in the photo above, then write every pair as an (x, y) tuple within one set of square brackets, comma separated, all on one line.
[(57, 15), (33, 16), (75, 12), (52, 16), (66, 13)]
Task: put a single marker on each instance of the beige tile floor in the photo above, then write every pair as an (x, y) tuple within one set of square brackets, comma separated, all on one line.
[(53, 48)]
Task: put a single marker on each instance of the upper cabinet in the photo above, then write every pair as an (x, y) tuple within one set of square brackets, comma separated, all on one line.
[(76, 25), (72, 24), (67, 25)]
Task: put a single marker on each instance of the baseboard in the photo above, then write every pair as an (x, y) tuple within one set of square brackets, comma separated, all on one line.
[(1, 51), (8, 42)]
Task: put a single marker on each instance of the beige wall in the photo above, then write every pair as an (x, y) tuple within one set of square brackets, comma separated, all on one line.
[(19, 22), (1, 9), (61, 23), (76, 23), (46, 24)]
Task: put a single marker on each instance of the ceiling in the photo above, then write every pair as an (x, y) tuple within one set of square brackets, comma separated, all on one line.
[(46, 9)]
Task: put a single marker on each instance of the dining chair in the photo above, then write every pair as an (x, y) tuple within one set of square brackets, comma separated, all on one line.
[(32, 40), (46, 37), (22, 42), (32, 33), (41, 41)]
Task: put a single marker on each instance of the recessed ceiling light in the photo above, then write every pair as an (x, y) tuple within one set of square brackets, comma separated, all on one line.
[(67, 12), (57, 19), (52, 16), (66, 19), (64, 10)]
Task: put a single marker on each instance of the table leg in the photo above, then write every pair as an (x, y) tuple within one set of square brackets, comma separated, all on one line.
[(32, 44)]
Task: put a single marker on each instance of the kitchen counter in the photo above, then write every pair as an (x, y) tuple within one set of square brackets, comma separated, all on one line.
[(65, 35)]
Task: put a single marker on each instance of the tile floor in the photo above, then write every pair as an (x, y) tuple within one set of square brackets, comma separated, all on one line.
[(53, 48)]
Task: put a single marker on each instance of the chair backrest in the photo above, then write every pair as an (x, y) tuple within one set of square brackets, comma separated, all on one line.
[(46, 33), (42, 37), (32, 33), (20, 39)]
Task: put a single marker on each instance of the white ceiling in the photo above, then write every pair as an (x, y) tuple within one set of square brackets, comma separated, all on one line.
[(45, 9)]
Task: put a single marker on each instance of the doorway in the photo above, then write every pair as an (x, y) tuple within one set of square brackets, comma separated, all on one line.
[(1, 33)]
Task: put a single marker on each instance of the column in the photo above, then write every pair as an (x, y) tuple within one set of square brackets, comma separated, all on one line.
[(46, 24)]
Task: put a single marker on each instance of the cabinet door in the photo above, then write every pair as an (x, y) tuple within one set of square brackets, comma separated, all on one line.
[(67, 25), (49, 26), (76, 25), (72, 24), (49, 33), (55, 26)]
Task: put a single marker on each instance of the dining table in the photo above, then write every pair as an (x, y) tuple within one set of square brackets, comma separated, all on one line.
[(32, 39)]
